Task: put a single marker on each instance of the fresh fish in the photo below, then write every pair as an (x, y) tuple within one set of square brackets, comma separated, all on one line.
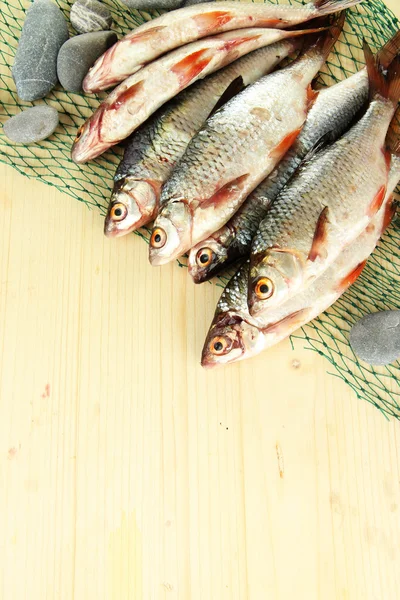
[(331, 115), (185, 25), (327, 204), (134, 100), (157, 146), (234, 151), (235, 335)]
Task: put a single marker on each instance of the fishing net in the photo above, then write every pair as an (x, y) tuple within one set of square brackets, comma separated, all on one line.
[(378, 288)]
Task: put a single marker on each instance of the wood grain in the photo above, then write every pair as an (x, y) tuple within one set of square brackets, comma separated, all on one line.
[(129, 473)]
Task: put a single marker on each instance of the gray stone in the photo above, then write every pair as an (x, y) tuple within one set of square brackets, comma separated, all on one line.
[(191, 2), (31, 125), (153, 4), (77, 56), (376, 337), (89, 15), (35, 65)]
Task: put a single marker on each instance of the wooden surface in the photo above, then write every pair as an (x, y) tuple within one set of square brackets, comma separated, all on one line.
[(127, 472)]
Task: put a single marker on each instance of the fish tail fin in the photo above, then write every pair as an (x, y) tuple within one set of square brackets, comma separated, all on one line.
[(387, 86), (393, 135), (389, 51), (326, 7), (322, 44)]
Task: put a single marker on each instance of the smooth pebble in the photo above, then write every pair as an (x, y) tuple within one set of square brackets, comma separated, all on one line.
[(376, 337), (35, 65), (31, 125), (87, 16), (77, 56), (153, 4)]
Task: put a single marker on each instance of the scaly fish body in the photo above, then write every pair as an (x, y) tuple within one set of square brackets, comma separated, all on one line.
[(134, 100), (235, 150), (327, 204), (235, 335), (157, 146), (331, 114), (185, 25)]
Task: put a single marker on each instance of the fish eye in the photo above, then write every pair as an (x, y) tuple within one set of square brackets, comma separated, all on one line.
[(204, 257), (264, 288), (218, 345), (79, 133), (158, 238), (118, 212)]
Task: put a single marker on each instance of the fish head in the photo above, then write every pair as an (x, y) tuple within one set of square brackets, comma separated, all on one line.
[(231, 338), (205, 258), (170, 236), (132, 205), (273, 279), (88, 142)]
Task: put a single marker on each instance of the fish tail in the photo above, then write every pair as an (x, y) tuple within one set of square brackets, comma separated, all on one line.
[(385, 85), (322, 44), (393, 135), (326, 7), (389, 51)]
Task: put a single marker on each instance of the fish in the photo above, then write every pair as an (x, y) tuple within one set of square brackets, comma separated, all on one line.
[(332, 113), (185, 25), (235, 335), (234, 151), (139, 96), (328, 203), (156, 147)]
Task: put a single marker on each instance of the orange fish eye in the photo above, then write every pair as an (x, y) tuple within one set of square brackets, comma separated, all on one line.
[(158, 238), (264, 288), (118, 211), (79, 133), (218, 345), (204, 257)]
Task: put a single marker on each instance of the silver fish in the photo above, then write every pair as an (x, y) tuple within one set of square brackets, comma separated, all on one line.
[(235, 150), (157, 146), (235, 335), (330, 116), (327, 204), (185, 25)]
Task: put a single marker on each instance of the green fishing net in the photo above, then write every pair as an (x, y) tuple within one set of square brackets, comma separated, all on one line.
[(378, 288)]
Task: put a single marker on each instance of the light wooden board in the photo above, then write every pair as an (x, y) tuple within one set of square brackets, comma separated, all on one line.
[(129, 473)]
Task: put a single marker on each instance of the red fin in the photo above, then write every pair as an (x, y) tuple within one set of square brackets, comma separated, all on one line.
[(191, 66), (273, 23), (390, 211), (227, 191), (393, 136), (347, 281), (312, 95), (146, 35), (377, 202), (389, 51), (230, 44), (284, 145), (321, 232), (212, 22), (126, 95), (388, 158), (297, 318), (326, 7)]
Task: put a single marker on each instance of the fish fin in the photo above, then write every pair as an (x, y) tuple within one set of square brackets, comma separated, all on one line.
[(388, 159), (394, 81), (377, 201), (390, 211), (295, 319), (387, 86), (319, 145), (312, 95), (192, 65), (143, 36), (321, 231), (326, 7), (284, 145), (323, 43), (350, 278), (393, 135), (212, 22), (128, 94), (235, 87), (226, 193), (389, 51)]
